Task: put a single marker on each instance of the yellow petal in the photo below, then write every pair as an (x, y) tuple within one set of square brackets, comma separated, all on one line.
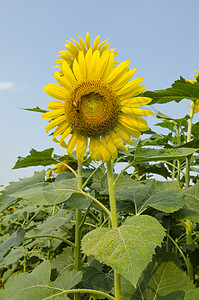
[(55, 105), (56, 91), (59, 130), (136, 111), (96, 43), (62, 80), (72, 48), (71, 144), (136, 101), (95, 149), (55, 122), (76, 71), (88, 41), (105, 154), (130, 86), (131, 132), (134, 92), (108, 67), (65, 134), (107, 142), (117, 141), (123, 79), (81, 41), (53, 114), (118, 71), (135, 123), (82, 64), (68, 73), (123, 135), (81, 148)]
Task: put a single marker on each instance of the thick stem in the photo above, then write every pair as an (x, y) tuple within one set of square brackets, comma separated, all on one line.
[(187, 180), (77, 250), (114, 222)]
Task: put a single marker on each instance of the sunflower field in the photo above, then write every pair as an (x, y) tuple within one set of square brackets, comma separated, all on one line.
[(117, 215)]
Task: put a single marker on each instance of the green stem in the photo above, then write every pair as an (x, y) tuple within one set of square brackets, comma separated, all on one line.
[(187, 180), (71, 169), (114, 222), (77, 250), (84, 291), (52, 237), (85, 183)]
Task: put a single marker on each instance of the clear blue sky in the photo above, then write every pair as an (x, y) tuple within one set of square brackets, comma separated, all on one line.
[(160, 37)]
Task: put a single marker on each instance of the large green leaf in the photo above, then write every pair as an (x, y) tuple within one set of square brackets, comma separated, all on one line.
[(146, 154), (14, 256), (163, 196), (163, 279), (9, 197), (192, 295), (64, 261), (36, 158), (191, 209), (180, 89), (16, 239), (127, 249), (37, 285)]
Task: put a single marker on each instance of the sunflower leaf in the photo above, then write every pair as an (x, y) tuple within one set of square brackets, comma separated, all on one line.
[(127, 249), (36, 158), (180, 89)]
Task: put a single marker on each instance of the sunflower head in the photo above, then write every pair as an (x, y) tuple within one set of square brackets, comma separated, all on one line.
[(97, 104), (73, 48)]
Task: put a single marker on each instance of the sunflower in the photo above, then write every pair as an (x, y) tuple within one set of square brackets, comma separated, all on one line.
[(195, 105), (97, 106), (74, 47)]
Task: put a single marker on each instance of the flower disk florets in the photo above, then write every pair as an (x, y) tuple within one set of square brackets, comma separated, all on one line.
[(92, 108)]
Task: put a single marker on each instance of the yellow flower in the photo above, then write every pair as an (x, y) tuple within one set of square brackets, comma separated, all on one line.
[(97, 105), (74, 47), (195, 105)]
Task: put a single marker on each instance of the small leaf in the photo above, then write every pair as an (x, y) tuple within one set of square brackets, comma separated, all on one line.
[(127, 249), (36, 109), (36, 158)]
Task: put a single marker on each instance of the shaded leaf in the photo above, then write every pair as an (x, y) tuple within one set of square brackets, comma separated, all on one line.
[(36, 158), (192, 295), (127, 249), (16, 239), (64, 261), (13, 256), (37, 284), (163, 280)]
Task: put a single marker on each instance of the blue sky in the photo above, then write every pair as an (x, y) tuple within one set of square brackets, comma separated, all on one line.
[(159, 37)]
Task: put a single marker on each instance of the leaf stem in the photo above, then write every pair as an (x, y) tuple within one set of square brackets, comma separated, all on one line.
[(85, 183), (52, 237), (114, 222)]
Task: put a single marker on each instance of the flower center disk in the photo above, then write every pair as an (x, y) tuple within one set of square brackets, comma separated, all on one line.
[(92, 108)]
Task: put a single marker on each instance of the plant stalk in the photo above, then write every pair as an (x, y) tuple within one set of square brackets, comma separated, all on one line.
[(114, 222), (187, 180), (77, 250)]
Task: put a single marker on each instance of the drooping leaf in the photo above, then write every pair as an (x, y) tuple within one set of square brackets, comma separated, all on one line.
[(127, 249), (146, 154), (37, 284), (180, 89), (77, 201), (163, 279), (36, 158), (16, 239)]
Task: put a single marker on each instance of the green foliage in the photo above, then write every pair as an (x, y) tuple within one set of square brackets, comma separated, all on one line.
[(36, 158), (180, 89), (192, 295), (127, 249), (37, 284)]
